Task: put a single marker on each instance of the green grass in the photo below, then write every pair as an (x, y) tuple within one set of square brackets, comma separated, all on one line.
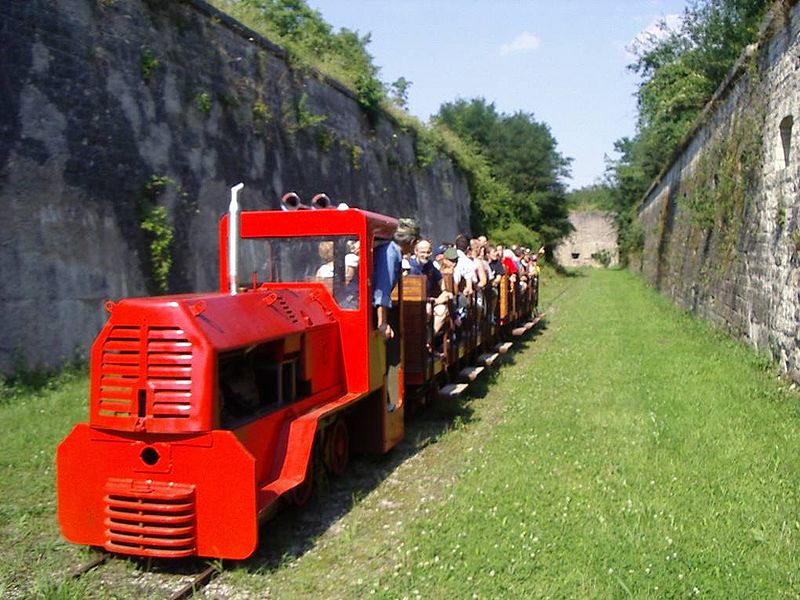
[(34, 419), (628, 451), (631, 452)]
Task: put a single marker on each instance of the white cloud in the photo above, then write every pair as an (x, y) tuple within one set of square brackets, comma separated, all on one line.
[(524, 42), (658, 29)]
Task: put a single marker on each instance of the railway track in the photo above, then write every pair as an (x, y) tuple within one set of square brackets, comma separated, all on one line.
[(187, 589)]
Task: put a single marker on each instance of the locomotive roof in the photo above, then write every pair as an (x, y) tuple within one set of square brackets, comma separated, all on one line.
[(329, 221)]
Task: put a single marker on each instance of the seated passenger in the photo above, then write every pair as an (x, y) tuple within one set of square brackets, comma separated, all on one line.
[(351, 260), (421, 264), (464, 272), (325, 270)]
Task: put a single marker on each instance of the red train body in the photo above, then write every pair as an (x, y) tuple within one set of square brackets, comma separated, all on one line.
[(206, 409)]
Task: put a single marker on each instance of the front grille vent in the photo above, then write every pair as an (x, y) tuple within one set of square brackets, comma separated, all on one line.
[(287, 310), (150, 518), (145, 372), (119, 371), (169, 372)]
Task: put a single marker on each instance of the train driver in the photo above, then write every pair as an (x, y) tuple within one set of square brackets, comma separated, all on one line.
[(387, 266)]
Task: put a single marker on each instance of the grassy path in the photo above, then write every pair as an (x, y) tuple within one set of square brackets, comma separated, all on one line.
[(629, 451)]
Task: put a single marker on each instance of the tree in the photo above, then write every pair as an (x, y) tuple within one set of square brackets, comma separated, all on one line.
[(680, 70), (522, 157), (303, 31), (597, 196), (400, 89)]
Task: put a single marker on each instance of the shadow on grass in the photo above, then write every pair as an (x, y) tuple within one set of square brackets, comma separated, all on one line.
[(571, 273), (24, 382), (295, 530)]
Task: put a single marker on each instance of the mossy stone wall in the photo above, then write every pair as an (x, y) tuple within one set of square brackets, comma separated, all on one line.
[(722, 225), (122, 126)]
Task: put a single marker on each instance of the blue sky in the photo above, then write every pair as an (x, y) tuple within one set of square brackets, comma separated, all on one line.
[(562, 60)]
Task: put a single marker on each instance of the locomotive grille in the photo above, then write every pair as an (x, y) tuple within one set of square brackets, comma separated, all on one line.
[(134, 361), (119, 371), (169, 372), (287, 310), (150, 518)]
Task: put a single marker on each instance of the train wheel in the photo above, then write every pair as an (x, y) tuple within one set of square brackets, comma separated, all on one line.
[(301, 494), (337, 447)]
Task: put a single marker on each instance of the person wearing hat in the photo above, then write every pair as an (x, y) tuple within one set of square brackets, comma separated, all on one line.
[(438, 255), (387, 266), (451, 254)]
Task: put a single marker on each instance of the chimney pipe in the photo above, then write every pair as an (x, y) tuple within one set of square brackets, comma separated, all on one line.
[(233, 240)]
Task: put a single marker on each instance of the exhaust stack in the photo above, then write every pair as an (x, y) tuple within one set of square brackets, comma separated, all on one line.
[(320, 201), (233, 240), (291, 201)]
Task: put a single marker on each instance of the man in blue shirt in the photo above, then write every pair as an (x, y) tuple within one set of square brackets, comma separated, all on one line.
[(421, 264), (387, 265)]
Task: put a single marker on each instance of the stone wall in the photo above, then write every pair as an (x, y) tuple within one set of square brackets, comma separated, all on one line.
[(722, 223), (109, 107), (595, 235)]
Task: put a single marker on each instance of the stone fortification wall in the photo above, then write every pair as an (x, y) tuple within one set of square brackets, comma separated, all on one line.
[(113, 111), (593, 241), (722, 224)]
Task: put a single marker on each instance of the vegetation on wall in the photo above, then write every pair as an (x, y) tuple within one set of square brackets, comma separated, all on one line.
[(598, 196), (159, 234), (304, 118), (202, 102), (148, 63), (680, 70), (726, 170), (310, 41), (261, 116), (725, 175)]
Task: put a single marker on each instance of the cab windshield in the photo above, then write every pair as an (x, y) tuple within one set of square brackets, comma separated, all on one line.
[(330, 260)]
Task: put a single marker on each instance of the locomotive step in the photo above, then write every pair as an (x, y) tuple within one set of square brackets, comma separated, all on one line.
[(488, 358), (470, 373), (452, 390), (503, 348)]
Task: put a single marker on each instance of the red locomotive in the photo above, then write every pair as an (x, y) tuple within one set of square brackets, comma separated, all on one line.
[(206, 409)]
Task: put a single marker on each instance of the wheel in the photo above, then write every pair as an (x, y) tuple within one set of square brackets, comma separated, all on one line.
[(337, 447)]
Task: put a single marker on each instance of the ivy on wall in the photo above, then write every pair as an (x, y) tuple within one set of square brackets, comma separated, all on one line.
[(158, 231), (726, 175)]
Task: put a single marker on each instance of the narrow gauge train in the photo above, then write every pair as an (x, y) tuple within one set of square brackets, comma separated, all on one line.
[(207, 409)]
